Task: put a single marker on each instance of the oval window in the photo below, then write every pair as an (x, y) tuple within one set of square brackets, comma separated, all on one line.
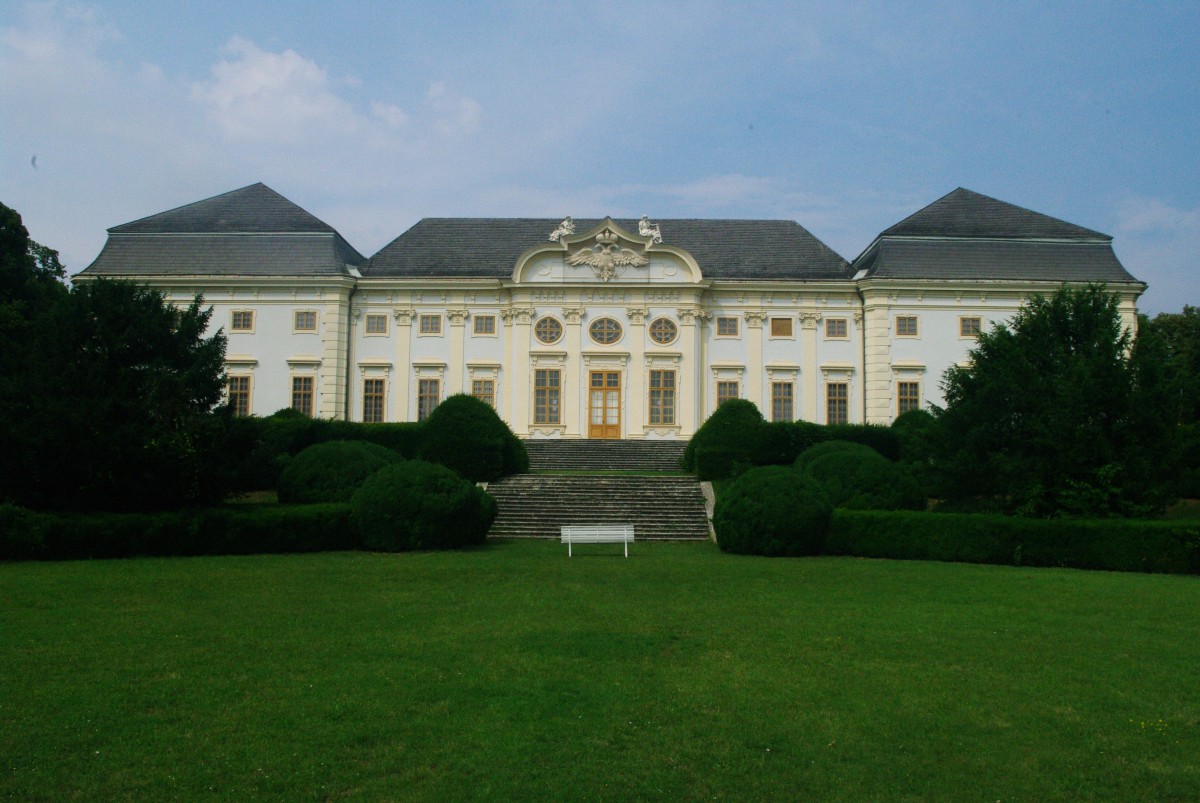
[(663, 331), (548, 330), (605, 331)]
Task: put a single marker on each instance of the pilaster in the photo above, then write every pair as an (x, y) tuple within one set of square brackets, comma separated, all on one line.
[(574, 394), (458, 363), (635, 383), (756, 333), (400, 395), (810, 377)]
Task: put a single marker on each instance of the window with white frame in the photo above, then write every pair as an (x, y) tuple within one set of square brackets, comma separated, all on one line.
[(303, 391), (726, 390), (908, 397), (662, 397), (484, 390), (547, 395), (485, 324), (372, 401), (237, 390), (783, 401), (836, 329), (781, 327), (377, 324), (429, 395), (304, 320), (837, 403), (906, 325), (430, 324), (241, 320), (969, 326), (727, 326)]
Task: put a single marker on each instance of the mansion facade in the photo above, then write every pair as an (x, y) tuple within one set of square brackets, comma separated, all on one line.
[(602, 328)]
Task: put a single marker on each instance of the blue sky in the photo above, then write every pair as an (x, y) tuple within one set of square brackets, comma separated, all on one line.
[(844, 116)]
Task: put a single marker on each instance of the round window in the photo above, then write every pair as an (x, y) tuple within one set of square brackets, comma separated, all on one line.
[(547, 330), (663, 331), (605, 331)]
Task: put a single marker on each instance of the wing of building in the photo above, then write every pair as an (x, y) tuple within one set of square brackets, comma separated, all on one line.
[(608, 328)]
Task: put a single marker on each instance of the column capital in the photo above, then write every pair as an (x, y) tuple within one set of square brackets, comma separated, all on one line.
[(458, 317), (809, 319), (755, 318), (574, 315), (404, 317), (637, 315), (692, 315)]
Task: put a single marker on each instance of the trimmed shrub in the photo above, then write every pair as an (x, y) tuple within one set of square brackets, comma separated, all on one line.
[(464, 433), (772, 511), (418, 505), (880, 438), (1171, 547), (832, 447), (233, 530), (860, 478), (733, 430), (331, 471)]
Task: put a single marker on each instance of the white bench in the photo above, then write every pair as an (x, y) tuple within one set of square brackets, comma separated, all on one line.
[(597, 534)]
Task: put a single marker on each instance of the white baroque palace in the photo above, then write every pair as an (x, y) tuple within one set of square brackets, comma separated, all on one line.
[(602, 328)]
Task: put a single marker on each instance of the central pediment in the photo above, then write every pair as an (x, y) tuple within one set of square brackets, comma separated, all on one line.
[(605, 252)]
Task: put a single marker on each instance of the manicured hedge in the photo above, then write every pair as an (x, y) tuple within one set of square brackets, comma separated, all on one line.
[(735, 437), (465, 434), (857, 477), (331, 471), (774, 511), (1131, 545), (418, 505), (231, 530)]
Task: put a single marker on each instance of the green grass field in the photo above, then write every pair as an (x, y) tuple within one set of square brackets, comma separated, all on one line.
[(511, 672)]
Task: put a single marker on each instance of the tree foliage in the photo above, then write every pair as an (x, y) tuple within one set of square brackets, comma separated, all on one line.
[(106, 389), (1056, 413)]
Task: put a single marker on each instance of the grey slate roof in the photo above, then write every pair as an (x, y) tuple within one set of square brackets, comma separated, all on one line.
[(965, 235), (964, 213), (725, 249), (253, 231), (256, 208)]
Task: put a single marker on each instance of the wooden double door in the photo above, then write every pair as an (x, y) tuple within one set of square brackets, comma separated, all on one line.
[(604, 404)]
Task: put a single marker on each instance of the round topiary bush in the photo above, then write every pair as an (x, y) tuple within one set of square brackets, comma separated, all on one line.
[(772, 510), (417, 505), (864, 480), (331, 471), (731, 435), (465, 434), (817, 451)]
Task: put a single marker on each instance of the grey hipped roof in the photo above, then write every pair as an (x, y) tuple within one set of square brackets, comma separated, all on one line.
[(965, 235), (253, 231), (725, 249)]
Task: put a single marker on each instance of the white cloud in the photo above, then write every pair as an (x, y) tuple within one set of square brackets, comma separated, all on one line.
[(1160, 244), (390, 114), (275, 97), (455, 114)]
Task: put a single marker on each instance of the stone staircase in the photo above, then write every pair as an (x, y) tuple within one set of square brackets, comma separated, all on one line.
[(604, 455), (658, 505)]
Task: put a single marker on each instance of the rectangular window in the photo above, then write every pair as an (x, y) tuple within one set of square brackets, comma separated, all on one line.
[(969, 327), (304, 320), (485, 324), (302, 394), (372, 401), (547, 394), (781, 327), (429, 395), (662, 397), (837, 403), (908, 396), (835, 328), (431, 324), (906, 326), (782, 407), (242, 320), (484, 390), (727, 327), (238, 390), (377, 324), (726, 391)]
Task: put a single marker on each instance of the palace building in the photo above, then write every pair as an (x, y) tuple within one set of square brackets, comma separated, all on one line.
[(611, 328)]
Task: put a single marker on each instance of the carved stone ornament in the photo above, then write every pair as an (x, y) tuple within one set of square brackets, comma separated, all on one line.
[(404, 317), (458, 317), (524, 315), (858, 320), (573, 314), (809, 320), (637, 315), (648, 229), (755, 319), (564, 228), (692, 315), (605, 258)]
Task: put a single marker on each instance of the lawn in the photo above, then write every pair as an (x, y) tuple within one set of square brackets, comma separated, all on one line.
[(513, 672)]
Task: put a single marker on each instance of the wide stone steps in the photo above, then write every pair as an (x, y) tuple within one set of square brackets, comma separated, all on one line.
[(659, 507), (604, 455)]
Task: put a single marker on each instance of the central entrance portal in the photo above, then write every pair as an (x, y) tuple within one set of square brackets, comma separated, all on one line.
[(604, 404)]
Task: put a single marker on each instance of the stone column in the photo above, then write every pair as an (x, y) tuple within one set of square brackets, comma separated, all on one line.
[(401, 392), (458, 363), (810, 377), (691, 379), (755, 335), (636, 399), (877, 360), (574, 395), (522, 321)]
